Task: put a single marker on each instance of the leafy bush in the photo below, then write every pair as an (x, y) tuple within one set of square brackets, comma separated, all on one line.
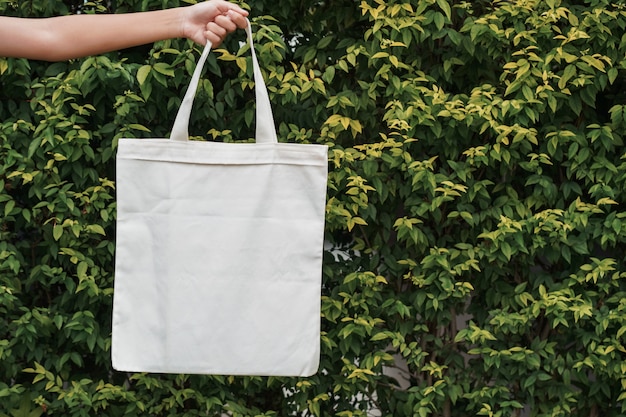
[(475, 207)]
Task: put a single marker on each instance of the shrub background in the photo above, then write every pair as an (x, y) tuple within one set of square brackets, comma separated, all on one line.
[(475, 206)]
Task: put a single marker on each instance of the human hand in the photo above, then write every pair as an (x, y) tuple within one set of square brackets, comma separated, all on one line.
[(212, 20)]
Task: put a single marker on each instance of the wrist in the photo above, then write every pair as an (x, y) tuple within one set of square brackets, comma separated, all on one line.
[(183, 18)]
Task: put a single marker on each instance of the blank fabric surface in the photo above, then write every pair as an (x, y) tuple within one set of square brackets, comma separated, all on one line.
[(219, 251)]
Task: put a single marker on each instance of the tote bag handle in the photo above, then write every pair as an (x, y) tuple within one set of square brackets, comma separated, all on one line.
[(265, 130)]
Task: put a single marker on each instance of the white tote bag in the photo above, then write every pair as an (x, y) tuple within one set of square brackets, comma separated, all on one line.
[(219, 251)]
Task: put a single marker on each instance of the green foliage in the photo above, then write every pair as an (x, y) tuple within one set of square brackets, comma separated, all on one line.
[(475, 207)]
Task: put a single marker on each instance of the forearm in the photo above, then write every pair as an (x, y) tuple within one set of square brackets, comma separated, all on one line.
[(67, 37)]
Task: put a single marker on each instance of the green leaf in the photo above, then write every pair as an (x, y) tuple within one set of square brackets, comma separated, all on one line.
[(57, 231), (35, 143), (163, 68), (380, 336), (445, 7), (81, 269), (138, 126), (568, 73), (8, 207), (142, 74), (96, 228)]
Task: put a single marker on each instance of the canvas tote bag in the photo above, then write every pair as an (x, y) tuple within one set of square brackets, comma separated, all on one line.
[(219, 250)]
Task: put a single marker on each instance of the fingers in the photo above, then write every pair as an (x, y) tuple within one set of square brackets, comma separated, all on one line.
[(234, 13), (239, 17), (215, 33), (212, 20), (223, 24)]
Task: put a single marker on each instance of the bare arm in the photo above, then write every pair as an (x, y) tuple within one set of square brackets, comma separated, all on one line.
[(66, 37)]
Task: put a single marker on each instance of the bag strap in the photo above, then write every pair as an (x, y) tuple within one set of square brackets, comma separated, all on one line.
[(265, 130)]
